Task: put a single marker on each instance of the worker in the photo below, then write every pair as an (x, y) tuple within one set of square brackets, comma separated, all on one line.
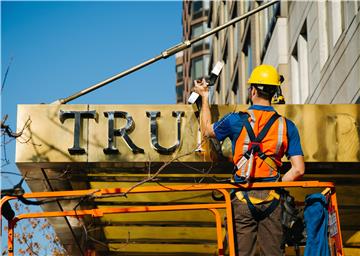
[(260, 138)]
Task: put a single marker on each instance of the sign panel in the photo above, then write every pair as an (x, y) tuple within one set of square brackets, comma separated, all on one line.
[(127, 135)]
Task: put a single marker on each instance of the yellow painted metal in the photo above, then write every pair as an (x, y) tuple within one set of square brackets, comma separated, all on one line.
[(208, 249), (198, 216), (172, 197), (163, 233), (354, 240), (352, 251), (164, 175), (329, 133), (49, 138)]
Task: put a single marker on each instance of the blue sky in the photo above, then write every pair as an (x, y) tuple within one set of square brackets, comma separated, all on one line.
[(59, 48)]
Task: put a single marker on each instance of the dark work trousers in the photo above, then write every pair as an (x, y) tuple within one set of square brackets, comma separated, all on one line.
[(267, 232)]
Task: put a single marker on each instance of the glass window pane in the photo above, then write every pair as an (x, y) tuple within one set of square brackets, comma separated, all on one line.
[(247, 5), (197, 6), (197, 30), (179, 72), (197, 68), (206, 65), (236, 38), (179, 93), (247, 56)]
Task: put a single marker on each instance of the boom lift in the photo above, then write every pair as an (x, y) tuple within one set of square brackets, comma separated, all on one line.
[(329, 191)]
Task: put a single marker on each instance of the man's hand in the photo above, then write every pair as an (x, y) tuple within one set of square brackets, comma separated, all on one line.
[(201, 88)]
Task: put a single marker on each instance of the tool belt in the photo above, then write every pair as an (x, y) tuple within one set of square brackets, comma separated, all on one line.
[(292, 220)]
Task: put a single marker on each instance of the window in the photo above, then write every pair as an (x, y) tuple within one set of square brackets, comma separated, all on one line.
[(247, 52), (236, 39), (227, 69), (226, 13), (299, 69), (197, 68), (247, 4), (235, 89), (264, 23), (218, 87), (235, 31), (197, 6), (206, 4), (273, 12), (323, 36), (179, 93), (179, 73), (267, 20), (197, 30), (206, 65), (197, 9), (246, 65), (200, 67)]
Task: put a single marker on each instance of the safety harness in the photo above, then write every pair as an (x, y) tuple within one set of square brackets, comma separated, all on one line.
[(255, 148)]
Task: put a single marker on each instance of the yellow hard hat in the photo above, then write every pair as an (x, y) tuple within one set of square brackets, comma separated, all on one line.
[(265, 74)]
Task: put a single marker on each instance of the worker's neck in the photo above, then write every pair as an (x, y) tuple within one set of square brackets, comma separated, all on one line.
[(260, 102)]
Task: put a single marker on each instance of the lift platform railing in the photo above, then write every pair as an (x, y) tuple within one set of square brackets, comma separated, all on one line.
[(335, 239)]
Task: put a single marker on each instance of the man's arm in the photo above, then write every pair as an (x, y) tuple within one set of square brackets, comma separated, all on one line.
[(297, 169), (205, 116)]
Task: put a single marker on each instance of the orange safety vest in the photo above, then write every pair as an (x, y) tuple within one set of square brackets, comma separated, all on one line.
[(260, 159)]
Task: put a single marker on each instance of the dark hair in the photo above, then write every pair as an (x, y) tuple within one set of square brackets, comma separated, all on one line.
[(265, 91)]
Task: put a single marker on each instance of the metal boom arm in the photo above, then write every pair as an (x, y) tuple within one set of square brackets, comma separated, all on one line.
[(165, 54)]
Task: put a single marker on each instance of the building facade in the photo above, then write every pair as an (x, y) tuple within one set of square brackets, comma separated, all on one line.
[(315, 45), (193, 63)]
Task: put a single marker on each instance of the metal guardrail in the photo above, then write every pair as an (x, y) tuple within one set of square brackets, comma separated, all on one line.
[(222, 188)]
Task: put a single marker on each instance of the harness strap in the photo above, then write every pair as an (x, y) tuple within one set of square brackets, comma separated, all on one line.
[(259, 214), (272, 195), (255, 144), (267, 127), (249, 130), (270, 162)]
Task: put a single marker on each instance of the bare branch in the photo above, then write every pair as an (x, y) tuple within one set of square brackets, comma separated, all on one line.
[(7, 130)]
